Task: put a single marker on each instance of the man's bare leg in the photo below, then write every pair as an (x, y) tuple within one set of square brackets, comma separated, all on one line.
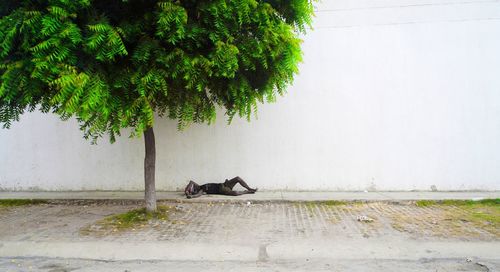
[(232, 182), (237, 193)]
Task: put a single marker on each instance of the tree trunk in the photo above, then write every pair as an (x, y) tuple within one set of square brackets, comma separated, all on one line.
[(149, 170)]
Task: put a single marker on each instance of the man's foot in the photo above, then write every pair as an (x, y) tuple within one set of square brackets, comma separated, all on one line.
[(252, 191)]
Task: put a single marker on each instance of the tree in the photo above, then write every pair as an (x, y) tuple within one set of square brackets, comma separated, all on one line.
[(117, 64)]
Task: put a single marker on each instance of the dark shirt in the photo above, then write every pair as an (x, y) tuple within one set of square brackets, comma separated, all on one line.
[(212, 188)]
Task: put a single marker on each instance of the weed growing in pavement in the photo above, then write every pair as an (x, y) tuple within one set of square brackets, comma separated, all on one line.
[(131, 220), (455, 202), (458, 214), (21, 202)]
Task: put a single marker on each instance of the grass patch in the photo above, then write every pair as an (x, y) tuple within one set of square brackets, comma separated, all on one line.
[(425, 203), (454, 202), (484, 214), (20, 202), (333, 202), (310, 205), (131, 220), (135, 217)]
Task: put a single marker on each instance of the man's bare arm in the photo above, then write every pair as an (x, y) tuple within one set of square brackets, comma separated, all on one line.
[(189, 187), (200, 192)]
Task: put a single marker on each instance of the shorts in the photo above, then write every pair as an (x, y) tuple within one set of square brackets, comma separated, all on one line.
[(216, 189)]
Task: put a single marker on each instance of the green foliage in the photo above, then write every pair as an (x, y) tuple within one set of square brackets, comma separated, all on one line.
[(114, 64)]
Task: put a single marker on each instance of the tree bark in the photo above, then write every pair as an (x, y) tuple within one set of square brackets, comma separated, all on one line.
[(149, 170)]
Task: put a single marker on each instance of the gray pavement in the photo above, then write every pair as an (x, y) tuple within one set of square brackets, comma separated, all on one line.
[(259, 196), (251, 234), (361, 265)]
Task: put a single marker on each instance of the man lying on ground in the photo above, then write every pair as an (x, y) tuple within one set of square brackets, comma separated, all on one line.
[(226, 188)]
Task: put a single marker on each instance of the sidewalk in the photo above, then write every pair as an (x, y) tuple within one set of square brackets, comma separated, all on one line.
[(276, 231), (264, 196)]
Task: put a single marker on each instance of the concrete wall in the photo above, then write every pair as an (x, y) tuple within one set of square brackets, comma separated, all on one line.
[(392, 95)]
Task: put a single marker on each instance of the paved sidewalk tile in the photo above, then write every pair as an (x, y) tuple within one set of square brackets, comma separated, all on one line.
[(278, 236), (242, 223)]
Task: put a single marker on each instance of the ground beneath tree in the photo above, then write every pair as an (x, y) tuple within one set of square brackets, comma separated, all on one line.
[(332, 236)]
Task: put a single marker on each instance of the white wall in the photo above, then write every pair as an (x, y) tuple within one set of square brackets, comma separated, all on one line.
[(392, 95)]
